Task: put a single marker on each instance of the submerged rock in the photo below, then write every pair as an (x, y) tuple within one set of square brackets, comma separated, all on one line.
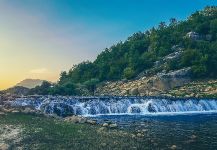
[(173, 147), (135, 109), (151, 108), (60, 109)]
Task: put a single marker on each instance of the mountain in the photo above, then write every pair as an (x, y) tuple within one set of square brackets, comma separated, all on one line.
[(160, 59), (29, 83)]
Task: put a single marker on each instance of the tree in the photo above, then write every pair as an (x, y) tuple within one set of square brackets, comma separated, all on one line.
[(162, 25), (44, 89), (129, 73), (173, 21), (91, 85)]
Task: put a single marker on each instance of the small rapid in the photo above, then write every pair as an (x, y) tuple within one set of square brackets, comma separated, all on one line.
[(89, 106)]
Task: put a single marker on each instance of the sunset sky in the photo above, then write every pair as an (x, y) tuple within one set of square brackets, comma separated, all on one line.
[(41, 38)]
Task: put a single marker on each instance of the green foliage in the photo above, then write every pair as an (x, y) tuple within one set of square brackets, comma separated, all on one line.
[(91, 85), (129, 73), (41, 90)]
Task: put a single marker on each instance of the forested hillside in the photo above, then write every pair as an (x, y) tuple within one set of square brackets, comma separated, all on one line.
[(195, 38)]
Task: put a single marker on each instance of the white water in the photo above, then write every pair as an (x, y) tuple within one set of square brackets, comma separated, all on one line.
[(64, 106)]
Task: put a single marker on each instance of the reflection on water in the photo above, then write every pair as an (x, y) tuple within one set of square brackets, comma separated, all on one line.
[(192, 131)]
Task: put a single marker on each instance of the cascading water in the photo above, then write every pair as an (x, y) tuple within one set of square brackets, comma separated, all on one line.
[(65, 106)]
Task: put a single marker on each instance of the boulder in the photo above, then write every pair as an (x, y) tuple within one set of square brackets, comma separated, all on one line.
[(4, 146), (105, 125), (135, 109), (60, 109), (134, 91), (114, 125), (172, 79), (92, 122), (173, 147)]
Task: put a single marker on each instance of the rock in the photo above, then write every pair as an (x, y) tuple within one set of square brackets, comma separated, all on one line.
[(135, 109), (139, 135), (15, 111), (134, 91), (101, 129), (209, 88), (92, 122), (103, 144), (113, 125), (76, 119), (28, 110), (60, 109), (133, 136), (151, 108), (4, 146), (2, 113), (105, 125), (193, 137), (172, 79), (144, 130), (173, 147)]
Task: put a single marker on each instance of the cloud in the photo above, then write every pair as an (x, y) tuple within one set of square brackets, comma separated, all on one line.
[(39, 71)]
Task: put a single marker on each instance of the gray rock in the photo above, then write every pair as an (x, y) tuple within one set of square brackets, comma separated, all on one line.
[(113, 125), (134, 91), (4, 146), (173, 147), (92, 122), (105, 125)]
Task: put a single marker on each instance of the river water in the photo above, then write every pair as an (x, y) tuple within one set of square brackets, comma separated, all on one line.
[(183, 123), (185, 131)]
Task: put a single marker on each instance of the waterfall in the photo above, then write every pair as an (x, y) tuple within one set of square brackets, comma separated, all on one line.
[(65, 106)]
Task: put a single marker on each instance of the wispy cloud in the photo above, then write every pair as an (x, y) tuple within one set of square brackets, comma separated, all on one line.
[(39, 71)]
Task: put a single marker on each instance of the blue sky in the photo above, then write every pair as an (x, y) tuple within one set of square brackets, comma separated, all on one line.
[(40, 38)]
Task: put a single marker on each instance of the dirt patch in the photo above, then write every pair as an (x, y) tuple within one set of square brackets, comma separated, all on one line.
[(9, 135)]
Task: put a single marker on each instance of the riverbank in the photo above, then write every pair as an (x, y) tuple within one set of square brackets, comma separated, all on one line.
[(32, 131), (20, 131)]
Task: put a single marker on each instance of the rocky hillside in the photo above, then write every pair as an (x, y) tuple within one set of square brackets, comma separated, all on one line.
[(147, 85), (204, 88), (158, 82), (17, 90), (150, 62)]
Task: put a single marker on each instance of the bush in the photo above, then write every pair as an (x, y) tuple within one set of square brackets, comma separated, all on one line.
[(129, 73)]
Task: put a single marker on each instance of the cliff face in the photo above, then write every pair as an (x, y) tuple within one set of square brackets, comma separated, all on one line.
[(147, 86)]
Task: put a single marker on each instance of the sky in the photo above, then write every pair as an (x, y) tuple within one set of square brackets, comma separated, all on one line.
[(41, 38)]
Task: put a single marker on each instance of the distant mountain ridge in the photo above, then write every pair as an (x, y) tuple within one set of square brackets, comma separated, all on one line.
[(30, 83)]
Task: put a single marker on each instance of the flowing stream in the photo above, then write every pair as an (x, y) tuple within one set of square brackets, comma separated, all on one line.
[(89, 106)]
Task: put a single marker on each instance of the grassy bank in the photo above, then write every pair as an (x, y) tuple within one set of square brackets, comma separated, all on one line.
[(39, 132)]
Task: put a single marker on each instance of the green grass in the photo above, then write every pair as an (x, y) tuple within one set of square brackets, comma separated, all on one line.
[(40, 132)]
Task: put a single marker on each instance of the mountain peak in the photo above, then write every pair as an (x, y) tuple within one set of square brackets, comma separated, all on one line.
[(30, 83)]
